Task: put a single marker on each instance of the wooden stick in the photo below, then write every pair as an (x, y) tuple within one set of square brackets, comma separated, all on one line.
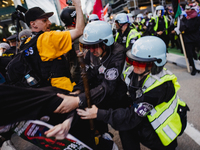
[(183, 46)]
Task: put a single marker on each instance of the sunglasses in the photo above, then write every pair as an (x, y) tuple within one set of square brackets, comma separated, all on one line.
[(137, 63)]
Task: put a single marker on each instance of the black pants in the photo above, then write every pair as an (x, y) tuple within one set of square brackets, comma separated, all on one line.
[(190, 52), (131, 141)]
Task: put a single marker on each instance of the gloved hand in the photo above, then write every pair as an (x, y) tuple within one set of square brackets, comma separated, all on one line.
[(177, 30)]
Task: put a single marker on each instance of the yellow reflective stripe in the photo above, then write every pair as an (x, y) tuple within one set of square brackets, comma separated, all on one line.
[(116, 36), (165, 114), (133, 33)]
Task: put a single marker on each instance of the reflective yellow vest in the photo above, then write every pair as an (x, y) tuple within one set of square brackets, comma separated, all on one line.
[(156, 25), (132, 34), (164, 117)]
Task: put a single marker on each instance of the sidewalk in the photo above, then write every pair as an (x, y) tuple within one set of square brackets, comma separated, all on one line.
[(180, 60)]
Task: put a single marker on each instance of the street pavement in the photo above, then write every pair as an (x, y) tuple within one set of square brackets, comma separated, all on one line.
[(189, 92)]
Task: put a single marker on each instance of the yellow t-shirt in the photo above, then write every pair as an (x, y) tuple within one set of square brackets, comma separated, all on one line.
[(52, 45)]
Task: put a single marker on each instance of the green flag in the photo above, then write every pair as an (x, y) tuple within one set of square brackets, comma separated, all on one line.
[(176, 8)]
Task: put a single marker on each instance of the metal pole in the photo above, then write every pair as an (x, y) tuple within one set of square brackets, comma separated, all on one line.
[(152, 8), (135, 4)]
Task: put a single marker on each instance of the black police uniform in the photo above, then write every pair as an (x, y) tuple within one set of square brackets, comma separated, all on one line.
[(161, 27), (133, 129), (106, 88), (123, 37), (7, 56)]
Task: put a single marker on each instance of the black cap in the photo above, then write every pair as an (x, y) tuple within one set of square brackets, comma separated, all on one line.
[(12, 37), (67, 15), (36, 13)]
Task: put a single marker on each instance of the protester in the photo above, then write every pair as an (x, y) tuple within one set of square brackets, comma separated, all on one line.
[(191, 35), (68, 17), (157, 115), (44, 51)]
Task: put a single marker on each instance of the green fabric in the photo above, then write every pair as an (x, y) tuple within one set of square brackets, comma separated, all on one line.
[(178, 12)]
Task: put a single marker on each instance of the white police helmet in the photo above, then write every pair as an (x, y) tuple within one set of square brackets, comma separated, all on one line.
[(160, 7), (93, 17), (97, 32), (160, 10), (148, 49), (121, 18), (140, 16), (130, 17), (150, 15)]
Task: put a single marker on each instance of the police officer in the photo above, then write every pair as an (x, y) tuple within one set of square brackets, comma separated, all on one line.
[(104, 61), (125, 34), (155, 117), (68, 16), (159, 25), (141, 23), (44, 50), (93, 17), (12, 50)]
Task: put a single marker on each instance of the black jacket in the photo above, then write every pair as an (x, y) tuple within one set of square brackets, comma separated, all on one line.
[(126, 119), (106, 88), (191, 29)]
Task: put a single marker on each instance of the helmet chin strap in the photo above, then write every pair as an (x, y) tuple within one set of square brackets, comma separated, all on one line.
[(104, 50), (120, 26)]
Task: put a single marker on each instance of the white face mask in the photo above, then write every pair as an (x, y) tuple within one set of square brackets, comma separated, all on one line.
[(159, 13), (138, 19)]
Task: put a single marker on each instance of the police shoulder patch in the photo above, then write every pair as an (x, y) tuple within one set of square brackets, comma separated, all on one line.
[(111, 74)]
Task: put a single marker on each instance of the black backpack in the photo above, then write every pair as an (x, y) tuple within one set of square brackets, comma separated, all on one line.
[(20, 66)]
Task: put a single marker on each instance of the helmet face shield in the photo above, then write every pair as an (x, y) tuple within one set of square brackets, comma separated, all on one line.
[(95, 51), (130, 61)]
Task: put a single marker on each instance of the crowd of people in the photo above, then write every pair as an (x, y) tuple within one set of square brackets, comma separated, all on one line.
[(129, 88)]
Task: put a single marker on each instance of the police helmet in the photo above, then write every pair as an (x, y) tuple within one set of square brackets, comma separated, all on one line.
[(130, 17), (96, 32), (122, 18), (93, 17), (150, 15), (67, 15), (140, 16), (160, 8), (148, 49)]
